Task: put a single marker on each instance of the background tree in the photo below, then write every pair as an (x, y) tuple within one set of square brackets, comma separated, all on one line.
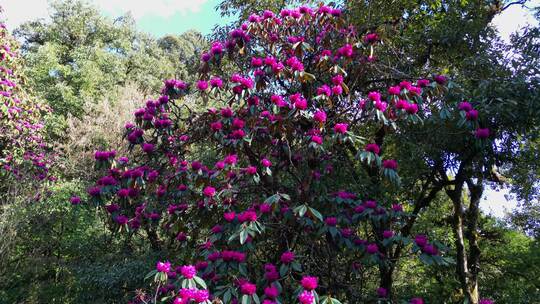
[(80, 56), (24, 156), (92, 71)]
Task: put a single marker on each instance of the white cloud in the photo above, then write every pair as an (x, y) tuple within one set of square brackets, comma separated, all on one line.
[(140, 8), (497, 202), (513, 19), (19, 11)]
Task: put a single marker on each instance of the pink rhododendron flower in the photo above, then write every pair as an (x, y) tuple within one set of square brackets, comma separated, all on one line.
[(271, 291), (306, 297), (209, 191), (229, 216), (430, 249), (423, 83), (471, 115), (181, 236), (370, 204), (373, 148), (268, 14), (337, 80), (440, 79), (254, 18), (330, 221), (217, 48), (299, 102), (75, 200), (266, 163), (238, 134), (251, 170), (309, 283), (287, 257), (247, 216), (188, 271), (205, 57), (420, 240), (226, 112), (371, 38), (220, 165), (341, 128), (372, 248), (465, 106), (336, 12), (202, 85), (317, 139), (374, 96), (121, 219), (295, 64), (216, 82), (323, 9), (248, 288), (345, 51), (390, 164), (201, 295), (388, 234), (256, 62), (163, 267), (397, 207), (381, 106), (415, 90), (231, 159), (320, 116), (278, 100), (265, 208), (216, 126), (405, 85), (411, 108), (396, 90), (482, 133), (337, 90), (324, 90)]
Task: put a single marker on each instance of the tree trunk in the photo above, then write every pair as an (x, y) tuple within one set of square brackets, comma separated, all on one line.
[(386, 278), (473, 213), (469, 287), (154, 239), (461, 255)]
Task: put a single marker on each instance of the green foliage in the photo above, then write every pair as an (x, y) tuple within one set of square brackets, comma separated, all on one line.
[(81, 56), (183, 51), (510, 265), (80, 62), (61, 254)]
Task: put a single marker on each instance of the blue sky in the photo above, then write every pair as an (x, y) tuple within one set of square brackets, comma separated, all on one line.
[(203, 21), (161, 17)]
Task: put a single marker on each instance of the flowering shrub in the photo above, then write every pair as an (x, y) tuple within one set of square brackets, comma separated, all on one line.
[(22, 146), (285, 193)]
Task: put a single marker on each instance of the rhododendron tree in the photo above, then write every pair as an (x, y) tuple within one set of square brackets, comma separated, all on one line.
[(286, 191), (23, 150)]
